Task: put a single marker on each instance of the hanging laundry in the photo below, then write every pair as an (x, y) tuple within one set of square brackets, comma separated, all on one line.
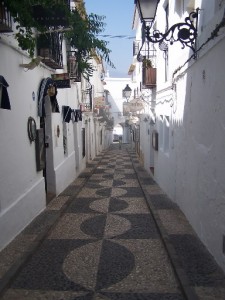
[(4, 97)]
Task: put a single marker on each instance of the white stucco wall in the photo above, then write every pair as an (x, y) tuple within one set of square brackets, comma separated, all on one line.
[(199, 142), (115, 87), (191, 171), (189, 105), (22, 193), (22, 188)]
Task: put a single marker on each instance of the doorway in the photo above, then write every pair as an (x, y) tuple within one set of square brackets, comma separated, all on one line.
[(48, 171)]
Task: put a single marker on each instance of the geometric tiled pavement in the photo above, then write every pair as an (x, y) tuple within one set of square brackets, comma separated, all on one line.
[(112, 234)]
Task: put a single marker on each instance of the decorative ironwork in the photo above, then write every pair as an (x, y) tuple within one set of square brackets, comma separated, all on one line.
[(147, 51), (126, 92), (5, 19), (184, 32), (72, 66), (50, 48), (51, 17)]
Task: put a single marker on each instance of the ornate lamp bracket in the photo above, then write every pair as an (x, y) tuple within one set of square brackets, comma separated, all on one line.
[(184, 32)]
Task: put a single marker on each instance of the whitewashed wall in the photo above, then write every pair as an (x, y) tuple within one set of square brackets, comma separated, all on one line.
[(22, 192), (199, 149), (115, 87), (189, 165), (22, 188)]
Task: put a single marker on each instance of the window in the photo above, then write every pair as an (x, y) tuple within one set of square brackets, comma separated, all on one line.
[(161, 132), (166, 129), (49, 46), (83, 143), (101, 137), (135, 48), (65, 141)]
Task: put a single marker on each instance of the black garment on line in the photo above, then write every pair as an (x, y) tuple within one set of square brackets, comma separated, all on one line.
[(5, 103)]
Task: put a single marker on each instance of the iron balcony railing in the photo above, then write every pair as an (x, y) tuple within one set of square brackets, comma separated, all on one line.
[(72, 66), (5, 19), (51, 17), (49, 46)]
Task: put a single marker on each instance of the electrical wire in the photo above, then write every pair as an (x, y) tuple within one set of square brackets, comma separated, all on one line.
[(117, 36)]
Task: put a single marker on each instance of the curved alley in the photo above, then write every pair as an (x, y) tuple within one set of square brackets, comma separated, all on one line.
[(111, 234)]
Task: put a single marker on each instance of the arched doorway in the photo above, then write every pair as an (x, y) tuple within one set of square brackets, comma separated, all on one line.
[(117, 132), (47, 103)]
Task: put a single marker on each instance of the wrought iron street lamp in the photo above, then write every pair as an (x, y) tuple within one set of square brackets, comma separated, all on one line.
[(127, 92), (184, 32)]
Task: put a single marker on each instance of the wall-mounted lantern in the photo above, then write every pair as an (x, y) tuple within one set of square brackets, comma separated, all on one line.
[(184, 32), (127, 92)]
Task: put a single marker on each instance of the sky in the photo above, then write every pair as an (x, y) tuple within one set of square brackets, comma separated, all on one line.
[(118, 18)]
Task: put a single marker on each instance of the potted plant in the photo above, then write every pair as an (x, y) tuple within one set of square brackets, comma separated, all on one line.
[(147, 63)]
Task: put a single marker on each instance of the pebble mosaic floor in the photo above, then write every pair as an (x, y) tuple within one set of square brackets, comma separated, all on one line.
[(106, 246)]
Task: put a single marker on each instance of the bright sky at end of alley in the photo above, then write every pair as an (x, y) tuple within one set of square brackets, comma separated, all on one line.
[(118, 18)]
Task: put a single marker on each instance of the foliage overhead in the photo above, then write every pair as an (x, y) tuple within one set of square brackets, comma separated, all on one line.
[(81, 32)]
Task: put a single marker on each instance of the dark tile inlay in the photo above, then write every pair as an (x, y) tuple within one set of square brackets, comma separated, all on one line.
[(70, 190), (94, 226), (162, 202), (142, 227), (93, 184), (142, 296), (99, 171), (106, 192), (41, 222), (108, 176), (44, 270), (84, 175), (116, 263), (147, 180), (199, 265), (118, 183), (130, 176), (81, 205), (116, 204), (134, 192), (88, 296)]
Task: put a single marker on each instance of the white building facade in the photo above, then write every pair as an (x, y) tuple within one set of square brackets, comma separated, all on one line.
[(48, 132), (185, 126), (115, 86)]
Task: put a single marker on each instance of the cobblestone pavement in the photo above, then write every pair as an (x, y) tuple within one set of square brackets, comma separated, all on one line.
[(112, 234)]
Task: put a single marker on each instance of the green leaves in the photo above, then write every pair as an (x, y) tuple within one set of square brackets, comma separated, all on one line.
[(81, 37)]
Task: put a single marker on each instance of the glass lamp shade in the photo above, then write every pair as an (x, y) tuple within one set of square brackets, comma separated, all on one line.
[(127, 91), (146, 9)]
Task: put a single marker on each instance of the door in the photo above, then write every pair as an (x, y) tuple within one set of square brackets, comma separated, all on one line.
[(48, 171)]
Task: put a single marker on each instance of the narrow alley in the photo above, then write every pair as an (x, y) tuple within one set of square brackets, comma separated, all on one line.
[(112, 234)]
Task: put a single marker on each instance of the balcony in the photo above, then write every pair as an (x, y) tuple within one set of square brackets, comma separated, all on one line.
[(5, 19), (49, 46), (72, 66), (51, 17), (148, 78)]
